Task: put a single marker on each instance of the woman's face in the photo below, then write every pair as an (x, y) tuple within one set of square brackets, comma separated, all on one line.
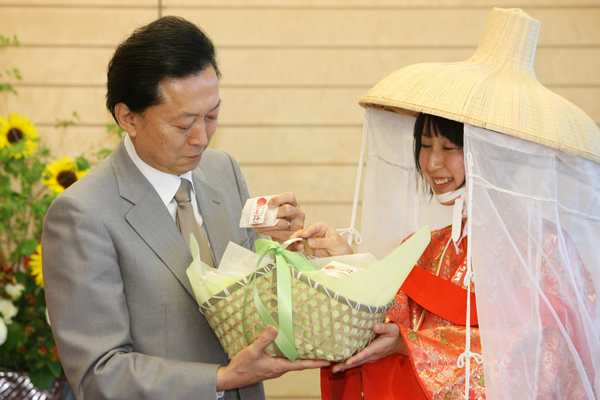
[(442, 163)]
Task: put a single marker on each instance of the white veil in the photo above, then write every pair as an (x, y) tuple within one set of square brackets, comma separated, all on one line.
[(390, 184), (534, 235)]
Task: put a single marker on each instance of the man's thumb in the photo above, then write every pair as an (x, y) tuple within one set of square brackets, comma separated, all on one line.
[(267, 337)]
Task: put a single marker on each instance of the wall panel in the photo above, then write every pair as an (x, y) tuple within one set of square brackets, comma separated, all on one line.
[(379, 28), (63, 66), (115, 4), (291, 106), (253, 107), (46, 104), (315, 68), (342, 28), (73, 26), (291, 145), (375, 4), (315, 183)]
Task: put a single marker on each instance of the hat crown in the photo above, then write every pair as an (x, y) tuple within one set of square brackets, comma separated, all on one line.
[(495, 89), (509, 41)]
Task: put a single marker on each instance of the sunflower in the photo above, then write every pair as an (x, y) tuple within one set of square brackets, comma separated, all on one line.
[(61, 174), (35, 265), (18, 135)]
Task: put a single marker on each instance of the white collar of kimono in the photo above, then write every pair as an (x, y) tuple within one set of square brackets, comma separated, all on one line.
[(460, 211), (449, 196)]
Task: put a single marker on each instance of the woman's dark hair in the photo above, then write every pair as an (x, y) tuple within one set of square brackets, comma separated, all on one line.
[(431, 125), (169, 47)]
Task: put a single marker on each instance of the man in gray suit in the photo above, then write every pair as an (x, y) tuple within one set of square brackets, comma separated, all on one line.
[(122, 310)]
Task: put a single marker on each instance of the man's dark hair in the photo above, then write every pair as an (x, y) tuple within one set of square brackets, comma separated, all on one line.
[(432, 125), (169, 47)]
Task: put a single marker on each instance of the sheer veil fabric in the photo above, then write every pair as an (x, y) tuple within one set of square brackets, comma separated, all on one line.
[(534, 233), (390, 184)]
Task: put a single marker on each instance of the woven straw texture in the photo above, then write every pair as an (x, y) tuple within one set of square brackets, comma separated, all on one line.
[(495, 89), (327, 326)]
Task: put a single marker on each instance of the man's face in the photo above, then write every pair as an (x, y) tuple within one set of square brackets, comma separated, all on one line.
[(172, 136)]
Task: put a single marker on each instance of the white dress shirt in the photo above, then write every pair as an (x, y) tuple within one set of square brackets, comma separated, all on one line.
[(166, 185)]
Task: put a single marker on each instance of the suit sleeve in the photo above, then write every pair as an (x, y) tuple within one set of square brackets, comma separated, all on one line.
[(242, 189), (90, 318)]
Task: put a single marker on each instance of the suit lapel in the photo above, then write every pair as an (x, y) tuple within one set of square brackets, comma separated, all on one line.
[(159, 231), (150, 218)]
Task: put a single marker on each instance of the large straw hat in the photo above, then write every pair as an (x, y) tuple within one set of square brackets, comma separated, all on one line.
[(495, 89)]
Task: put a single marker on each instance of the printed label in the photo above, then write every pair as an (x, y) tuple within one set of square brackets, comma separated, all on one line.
[(259, 210), (337, 269)]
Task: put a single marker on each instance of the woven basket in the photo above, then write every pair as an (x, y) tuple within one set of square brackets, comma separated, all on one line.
[(327, 326), (18, 386)]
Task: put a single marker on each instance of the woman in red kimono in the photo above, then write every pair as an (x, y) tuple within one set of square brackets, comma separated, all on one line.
[(417, 351)]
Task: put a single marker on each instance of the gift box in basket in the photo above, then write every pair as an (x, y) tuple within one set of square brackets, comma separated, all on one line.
[(320, 315)]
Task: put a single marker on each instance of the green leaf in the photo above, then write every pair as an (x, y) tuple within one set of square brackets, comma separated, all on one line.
[(103, 153), (67, 122), (111, 128), (55, 368), (42, 379), (82, 163), (12, 337), (7, 87), (26, 247), (114, 128)]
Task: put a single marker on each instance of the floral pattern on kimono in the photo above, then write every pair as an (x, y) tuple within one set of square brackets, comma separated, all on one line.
[(435, 347)]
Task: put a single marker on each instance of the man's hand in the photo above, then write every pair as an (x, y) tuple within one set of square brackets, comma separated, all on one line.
[(387, 343), (289, 210), (324, 239), (252, 365)]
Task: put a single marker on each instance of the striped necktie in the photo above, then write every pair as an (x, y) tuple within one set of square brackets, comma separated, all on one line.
[(187, 223)]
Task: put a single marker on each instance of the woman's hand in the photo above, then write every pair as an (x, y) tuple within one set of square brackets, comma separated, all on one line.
[(290, 217), (324, 239), (388, 342)]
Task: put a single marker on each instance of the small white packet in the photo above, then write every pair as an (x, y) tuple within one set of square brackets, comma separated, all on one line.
[(336, 269), (257, 214)]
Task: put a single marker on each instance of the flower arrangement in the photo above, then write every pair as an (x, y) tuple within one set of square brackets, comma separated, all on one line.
[(30, 179), (29, 182)]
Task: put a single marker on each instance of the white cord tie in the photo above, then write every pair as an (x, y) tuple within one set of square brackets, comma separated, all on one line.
[(467, 354), (352, 234), (459, 212), (468, 279), (351, 231)]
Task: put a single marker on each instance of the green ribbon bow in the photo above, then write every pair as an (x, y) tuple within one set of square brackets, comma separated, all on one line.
[(283, 259)]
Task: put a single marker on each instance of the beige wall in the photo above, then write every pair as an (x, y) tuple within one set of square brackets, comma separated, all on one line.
[(293, 71)]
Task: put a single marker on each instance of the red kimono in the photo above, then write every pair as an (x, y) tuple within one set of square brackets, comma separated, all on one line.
[(436, 307), (431, 369)]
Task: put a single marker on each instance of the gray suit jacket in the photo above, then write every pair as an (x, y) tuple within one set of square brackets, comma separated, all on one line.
[(122, 310)]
